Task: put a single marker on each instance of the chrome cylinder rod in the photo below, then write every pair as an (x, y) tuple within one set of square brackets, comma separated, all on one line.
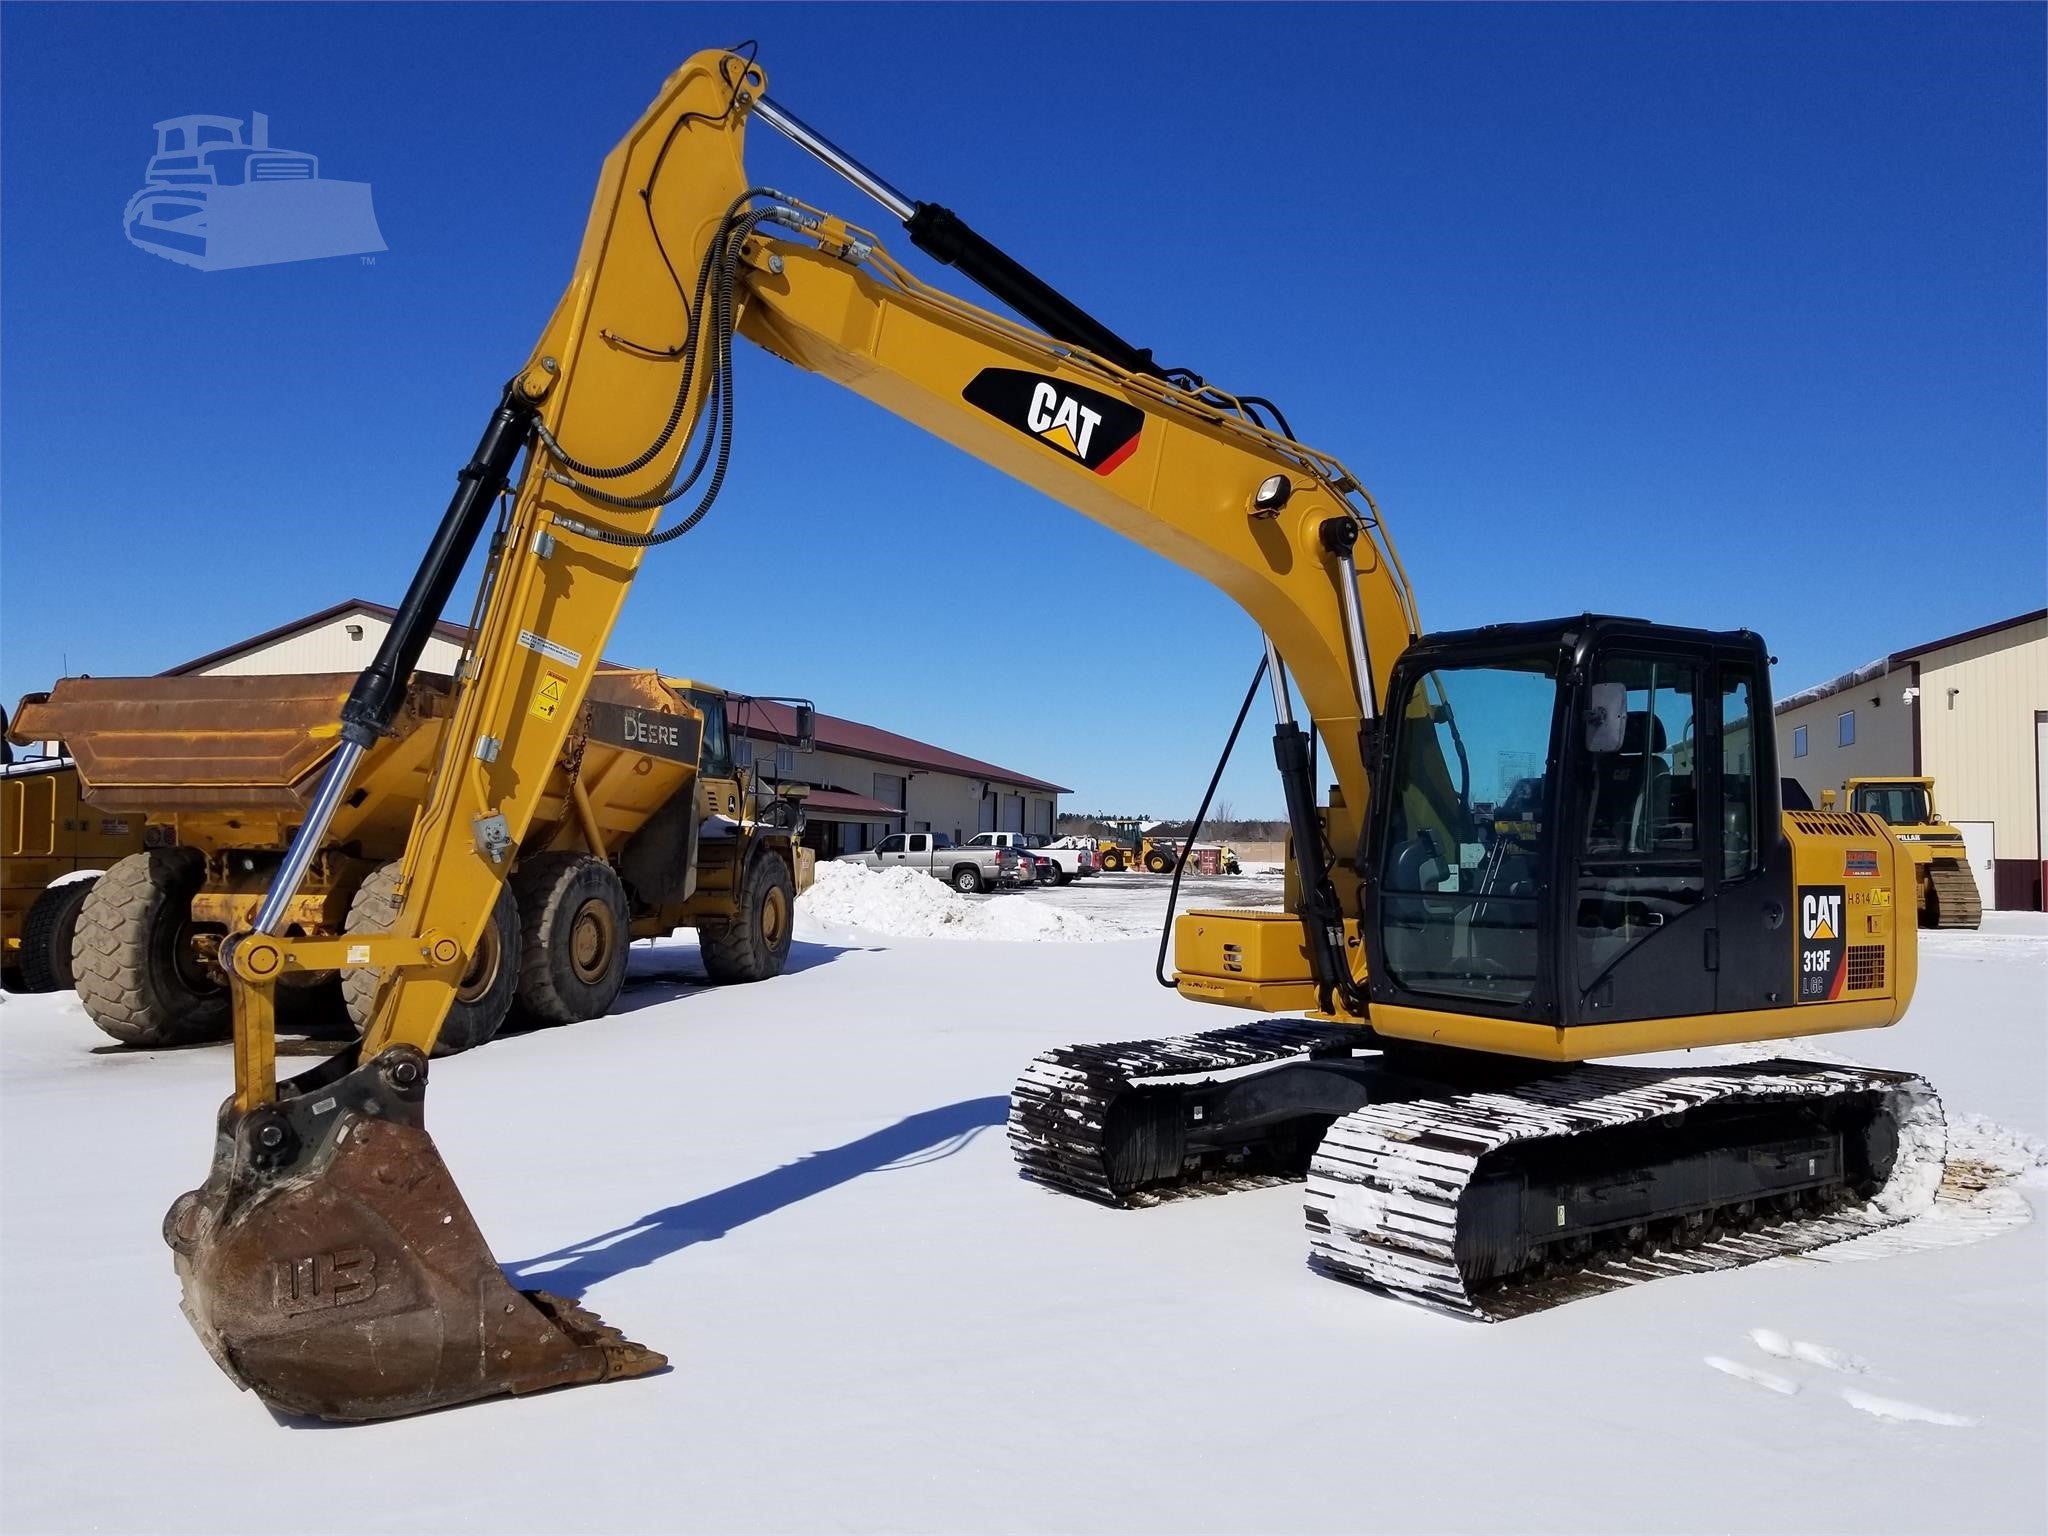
[(1339, 535), (284, 885), (797, 132), (1276, 674)]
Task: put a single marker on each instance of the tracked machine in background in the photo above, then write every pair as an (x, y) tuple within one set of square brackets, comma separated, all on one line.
[(1946, 894), (1455, 968)]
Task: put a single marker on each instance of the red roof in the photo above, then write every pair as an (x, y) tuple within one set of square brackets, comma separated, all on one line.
[(846, 802), (777, 722)]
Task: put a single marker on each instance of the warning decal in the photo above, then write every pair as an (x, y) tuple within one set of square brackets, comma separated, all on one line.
[(1821, 943), (1860, 861), (547, 698)]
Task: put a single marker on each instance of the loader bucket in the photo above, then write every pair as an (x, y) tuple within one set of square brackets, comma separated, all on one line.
[(330, 1265)]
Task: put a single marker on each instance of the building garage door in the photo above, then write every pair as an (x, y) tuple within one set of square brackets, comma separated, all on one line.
[(1013, 814), (1041, 817), (986, 820), (889, 789), (1980, 844)]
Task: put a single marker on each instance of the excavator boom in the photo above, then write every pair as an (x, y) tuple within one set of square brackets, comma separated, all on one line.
[(328, 1261)]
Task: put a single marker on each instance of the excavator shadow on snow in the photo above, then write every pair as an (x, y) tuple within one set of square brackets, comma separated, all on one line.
[(925, 1137)]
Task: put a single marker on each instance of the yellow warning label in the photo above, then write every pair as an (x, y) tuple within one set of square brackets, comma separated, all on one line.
[(1881, 897), (547, 698)]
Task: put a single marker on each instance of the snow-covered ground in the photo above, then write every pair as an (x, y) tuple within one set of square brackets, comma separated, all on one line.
[(801, 1192)]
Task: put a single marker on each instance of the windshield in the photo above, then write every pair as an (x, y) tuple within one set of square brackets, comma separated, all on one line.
[(1903, 805), (716, 760), (1464, 855)]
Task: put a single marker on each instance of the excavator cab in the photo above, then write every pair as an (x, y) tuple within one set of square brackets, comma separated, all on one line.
[(1576, 818)]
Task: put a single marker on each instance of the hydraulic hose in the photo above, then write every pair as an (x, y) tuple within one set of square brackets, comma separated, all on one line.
[(1195, 831)]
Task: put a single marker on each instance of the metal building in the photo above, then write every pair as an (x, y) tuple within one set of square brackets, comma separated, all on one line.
[(866, 782), (1971, 711)]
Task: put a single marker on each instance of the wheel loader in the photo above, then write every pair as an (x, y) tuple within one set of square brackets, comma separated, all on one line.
[(1426, 1012), (1129, 846), (1946, 894), (645, 827)]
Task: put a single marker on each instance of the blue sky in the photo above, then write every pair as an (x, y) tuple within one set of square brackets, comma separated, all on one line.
[(1720, 315)]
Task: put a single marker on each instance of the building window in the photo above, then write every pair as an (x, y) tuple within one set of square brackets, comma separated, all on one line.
[(1799, 741), (1845, 728)]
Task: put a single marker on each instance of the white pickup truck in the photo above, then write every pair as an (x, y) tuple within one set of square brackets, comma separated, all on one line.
[(1074, 856), (965, 868)]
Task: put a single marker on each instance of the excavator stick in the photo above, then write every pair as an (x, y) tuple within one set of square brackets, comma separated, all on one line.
[(329, 1263)]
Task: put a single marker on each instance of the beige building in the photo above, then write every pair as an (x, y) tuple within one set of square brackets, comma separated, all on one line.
[(1972, 712), (866, 782), (343, 638)]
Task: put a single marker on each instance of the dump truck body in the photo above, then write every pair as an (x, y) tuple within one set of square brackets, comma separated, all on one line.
[(220, 771)]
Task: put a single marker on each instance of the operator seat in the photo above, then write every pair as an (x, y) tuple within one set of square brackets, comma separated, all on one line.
[(1632, 790)]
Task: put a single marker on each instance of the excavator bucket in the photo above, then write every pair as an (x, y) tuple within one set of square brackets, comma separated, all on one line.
[(329, 1264)]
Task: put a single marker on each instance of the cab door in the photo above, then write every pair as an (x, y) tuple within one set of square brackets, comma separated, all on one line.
[(1751, 860), (1640, 916)]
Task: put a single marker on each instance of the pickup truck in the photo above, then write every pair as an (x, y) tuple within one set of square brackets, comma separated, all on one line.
[(1073, 857), (963, 868)]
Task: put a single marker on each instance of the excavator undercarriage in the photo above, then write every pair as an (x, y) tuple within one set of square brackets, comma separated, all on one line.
[(1489, 1188)]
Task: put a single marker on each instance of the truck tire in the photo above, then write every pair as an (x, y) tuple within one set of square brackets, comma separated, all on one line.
[(485, 995), (755, 944), (573, 938), (967, 880), (1112, 863), (1158, 863), (46, 936), (132, 958)]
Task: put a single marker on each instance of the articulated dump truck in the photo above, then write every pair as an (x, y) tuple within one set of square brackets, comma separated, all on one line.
[(645, 827)]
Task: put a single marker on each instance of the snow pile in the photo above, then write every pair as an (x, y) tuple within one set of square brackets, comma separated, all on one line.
[(909, 904)]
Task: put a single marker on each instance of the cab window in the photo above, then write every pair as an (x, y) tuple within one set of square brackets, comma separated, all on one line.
[(716, 761), (893, 844), (1640, 863), (1903, 805), (1738, 774), (1461, 873)]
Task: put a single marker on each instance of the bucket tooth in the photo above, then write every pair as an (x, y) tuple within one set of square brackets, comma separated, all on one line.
[(330, 1265)]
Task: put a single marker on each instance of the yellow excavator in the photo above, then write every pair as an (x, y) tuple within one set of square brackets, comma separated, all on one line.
[(1446, 975)]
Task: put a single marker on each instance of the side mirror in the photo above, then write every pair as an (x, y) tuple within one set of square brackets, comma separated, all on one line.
[(806, 727), (1607, 718)]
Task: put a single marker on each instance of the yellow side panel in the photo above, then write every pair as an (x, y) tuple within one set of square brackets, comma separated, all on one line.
[(1249, 958), (1584, 1042)]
